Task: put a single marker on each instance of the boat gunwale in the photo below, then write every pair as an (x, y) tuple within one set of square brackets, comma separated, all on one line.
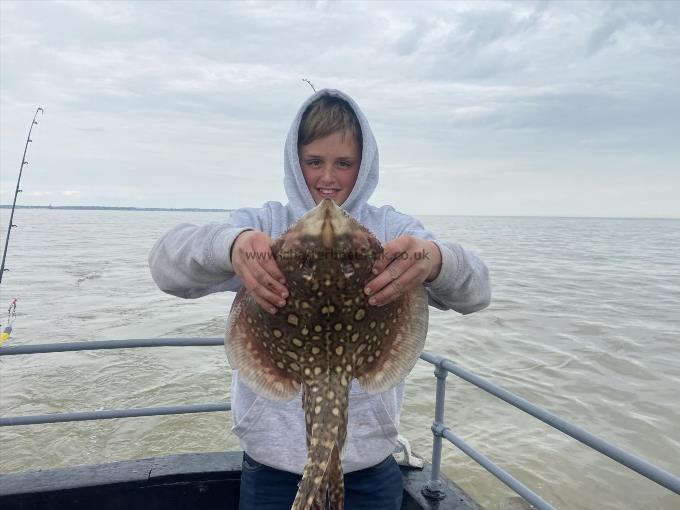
[(199, 469)]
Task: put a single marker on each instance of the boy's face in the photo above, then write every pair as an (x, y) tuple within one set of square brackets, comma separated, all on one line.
[(330, 166)]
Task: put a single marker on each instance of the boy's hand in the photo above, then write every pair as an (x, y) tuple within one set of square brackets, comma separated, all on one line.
[(406, 263), (254, 263)]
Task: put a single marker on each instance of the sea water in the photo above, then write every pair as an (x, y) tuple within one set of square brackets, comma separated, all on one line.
[(584, 322)]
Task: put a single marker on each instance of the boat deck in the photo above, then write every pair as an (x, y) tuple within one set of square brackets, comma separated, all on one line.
[(197, 481)]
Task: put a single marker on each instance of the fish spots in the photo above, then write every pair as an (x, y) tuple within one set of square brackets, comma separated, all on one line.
[(332, 334)]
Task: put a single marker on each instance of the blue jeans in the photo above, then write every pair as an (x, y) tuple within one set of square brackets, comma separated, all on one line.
[(379, 487)]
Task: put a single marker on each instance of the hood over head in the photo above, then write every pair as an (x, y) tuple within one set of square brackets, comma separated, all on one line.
[(299, 197)]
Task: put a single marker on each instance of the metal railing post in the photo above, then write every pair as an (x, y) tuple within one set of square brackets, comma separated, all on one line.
[(434, 487)]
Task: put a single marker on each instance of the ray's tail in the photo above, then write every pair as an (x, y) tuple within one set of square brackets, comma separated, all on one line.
[(322, 485)]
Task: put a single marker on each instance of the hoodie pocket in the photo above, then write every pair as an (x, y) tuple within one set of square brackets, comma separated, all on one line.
[(244, 422)]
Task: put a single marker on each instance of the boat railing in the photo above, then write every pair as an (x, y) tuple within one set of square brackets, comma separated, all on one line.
[(442, 367)]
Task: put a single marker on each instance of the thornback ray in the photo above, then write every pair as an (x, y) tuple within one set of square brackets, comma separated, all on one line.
[(324, 337)]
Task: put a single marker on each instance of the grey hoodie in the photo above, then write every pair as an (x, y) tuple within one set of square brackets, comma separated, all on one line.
[(191, 261)]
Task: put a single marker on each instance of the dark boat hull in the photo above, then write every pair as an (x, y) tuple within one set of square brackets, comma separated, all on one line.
[(201, 481)]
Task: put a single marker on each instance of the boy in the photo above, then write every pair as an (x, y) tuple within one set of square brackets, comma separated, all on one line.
[(330, 152)]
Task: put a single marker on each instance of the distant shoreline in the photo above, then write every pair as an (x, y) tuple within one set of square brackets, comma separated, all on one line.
[(198, 209), (108, 208)]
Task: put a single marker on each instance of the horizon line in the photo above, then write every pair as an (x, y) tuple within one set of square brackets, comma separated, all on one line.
[(215, 209), (114, 207)]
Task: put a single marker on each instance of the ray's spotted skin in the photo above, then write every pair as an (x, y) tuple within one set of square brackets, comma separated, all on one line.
[(325, 336)]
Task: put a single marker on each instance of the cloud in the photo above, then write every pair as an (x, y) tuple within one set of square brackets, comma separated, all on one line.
[(189, 103), (408, 42), (624, 21)]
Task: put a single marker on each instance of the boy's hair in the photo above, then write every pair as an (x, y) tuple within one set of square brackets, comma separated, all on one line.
[(325, 116)]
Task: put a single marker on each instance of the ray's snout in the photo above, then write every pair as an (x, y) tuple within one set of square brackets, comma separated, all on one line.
[(328, 212), (327, 223)]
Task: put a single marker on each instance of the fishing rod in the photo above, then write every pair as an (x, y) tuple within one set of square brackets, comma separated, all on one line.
[(17, 191)]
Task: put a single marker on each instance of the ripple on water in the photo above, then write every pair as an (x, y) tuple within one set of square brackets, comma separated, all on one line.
[(583, 322)]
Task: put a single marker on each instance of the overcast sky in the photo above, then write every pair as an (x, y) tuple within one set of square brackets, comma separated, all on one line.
[(490, 108)]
